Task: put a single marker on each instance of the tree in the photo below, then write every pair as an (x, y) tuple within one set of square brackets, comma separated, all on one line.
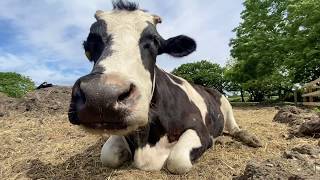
[(15, 85), (303, 40), (276, 45), (234, 78), (202, 73)]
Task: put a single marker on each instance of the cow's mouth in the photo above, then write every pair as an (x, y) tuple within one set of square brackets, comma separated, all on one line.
[(106, 126), (106, 120)]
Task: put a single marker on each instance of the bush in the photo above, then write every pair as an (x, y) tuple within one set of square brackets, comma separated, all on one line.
[(15, 85), (203, 73)]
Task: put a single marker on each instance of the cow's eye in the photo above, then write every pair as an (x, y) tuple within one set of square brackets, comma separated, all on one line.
[(93, 47), (146, 45)]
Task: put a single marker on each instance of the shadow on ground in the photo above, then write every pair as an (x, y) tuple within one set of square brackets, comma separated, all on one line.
[(85, 165)]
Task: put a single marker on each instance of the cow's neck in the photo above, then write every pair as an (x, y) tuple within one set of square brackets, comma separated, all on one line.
[(153, 131)]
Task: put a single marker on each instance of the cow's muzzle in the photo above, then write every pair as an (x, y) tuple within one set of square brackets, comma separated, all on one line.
[(101, 101)]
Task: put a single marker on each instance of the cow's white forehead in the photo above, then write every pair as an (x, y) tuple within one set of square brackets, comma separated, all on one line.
[(119, 19)]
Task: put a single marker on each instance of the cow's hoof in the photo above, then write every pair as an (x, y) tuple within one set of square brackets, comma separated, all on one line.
[(178, 165), (247, 138)]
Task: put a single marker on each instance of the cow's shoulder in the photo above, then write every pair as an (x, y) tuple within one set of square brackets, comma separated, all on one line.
[(177, 105), (215, 103)]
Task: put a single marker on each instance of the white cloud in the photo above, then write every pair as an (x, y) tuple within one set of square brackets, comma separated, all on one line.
[(42, 24), (53, 30), (32, 67)]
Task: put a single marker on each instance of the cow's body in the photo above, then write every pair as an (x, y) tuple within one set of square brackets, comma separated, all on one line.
[(154, 118), (177, 108)]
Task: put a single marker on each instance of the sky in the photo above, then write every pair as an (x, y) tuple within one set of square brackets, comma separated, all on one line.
[(42, 39)]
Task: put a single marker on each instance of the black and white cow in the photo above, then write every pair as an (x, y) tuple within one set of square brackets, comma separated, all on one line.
[(155, 119)]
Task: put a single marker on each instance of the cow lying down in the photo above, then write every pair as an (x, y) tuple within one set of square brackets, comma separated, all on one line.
[(155, 119)]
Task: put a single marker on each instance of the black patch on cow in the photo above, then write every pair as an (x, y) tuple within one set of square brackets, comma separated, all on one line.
[(179, 46), (94, 45), (138, 138), (149, 44), (214, 117), (149, 134), (99, 27), (156, 129), (98, 42), (197, 152), (125, 5)]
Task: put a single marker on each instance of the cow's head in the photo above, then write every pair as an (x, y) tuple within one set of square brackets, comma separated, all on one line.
[(123, 45)]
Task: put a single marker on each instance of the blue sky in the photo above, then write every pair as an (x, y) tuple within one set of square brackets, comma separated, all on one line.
[(42, 38)]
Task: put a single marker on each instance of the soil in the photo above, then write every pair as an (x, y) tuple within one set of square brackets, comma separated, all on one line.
[(38, 142), (302, 122), (298, 163)]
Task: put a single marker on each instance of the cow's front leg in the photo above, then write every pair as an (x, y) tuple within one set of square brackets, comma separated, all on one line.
[(179, 160), (115, 152), (152, 158)]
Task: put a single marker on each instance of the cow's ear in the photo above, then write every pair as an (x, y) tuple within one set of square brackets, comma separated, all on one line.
[(178, 46)]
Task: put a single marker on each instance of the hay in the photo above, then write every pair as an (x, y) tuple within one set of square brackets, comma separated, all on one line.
[(47, 146)]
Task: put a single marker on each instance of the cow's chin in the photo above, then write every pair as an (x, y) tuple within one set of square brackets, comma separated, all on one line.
[(131, 125), (100, 131)]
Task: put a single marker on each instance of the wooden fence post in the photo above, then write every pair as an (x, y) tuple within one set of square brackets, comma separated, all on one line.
[(295, 97)]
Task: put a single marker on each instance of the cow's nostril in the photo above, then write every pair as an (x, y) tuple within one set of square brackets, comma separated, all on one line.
[(80, 99), (127, 94), (77, 103)]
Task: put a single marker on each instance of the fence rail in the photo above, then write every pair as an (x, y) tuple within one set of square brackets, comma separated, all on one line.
[(312, 94)]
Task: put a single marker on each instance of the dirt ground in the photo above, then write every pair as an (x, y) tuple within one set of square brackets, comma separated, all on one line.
[(40, 143)]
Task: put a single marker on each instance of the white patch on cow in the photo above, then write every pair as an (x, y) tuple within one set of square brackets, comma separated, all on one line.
[(126, 28), (230, 123), (153, 158), (179, 161), (112, 152), (193, 96), (154, 81)]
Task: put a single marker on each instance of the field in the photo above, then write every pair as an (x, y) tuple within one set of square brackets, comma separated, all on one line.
[(38, 142)]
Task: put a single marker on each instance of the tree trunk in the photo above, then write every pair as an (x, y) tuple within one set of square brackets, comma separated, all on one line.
[(280, 95), (241, 92)]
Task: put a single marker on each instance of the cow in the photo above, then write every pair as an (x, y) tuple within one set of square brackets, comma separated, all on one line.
[(155, 119)]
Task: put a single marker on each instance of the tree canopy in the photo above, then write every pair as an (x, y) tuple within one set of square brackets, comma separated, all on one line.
[(202, 73), (276, 45)]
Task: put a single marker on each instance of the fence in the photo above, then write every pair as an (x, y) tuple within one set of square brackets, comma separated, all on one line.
[(312, 93)]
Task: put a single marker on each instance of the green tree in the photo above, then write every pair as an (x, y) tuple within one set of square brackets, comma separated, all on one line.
[(303, 40), (14, 84), (202, 73), (276, 45), (234, 78)]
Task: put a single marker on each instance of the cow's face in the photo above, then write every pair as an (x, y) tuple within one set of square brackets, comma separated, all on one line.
[(123, 45)]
